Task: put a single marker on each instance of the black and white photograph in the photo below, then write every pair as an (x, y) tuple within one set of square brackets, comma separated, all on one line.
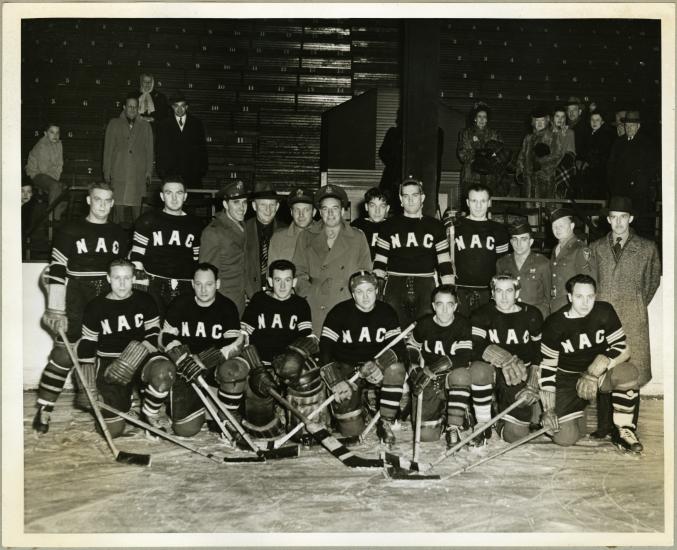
[(338, 274)]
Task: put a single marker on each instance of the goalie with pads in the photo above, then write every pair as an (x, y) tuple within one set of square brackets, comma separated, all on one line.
[(201, 331), (584, 351), (81, 253), (119, 341), (507, 335), (354, 332)]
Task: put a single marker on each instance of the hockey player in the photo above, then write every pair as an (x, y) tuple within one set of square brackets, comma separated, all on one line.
[(507, 334), (377, 208), (442, 346), (81, 253), (478, 243), (353, 333), (167, 246), (199, 333), (584, 350), (410, 249), (119, 340)]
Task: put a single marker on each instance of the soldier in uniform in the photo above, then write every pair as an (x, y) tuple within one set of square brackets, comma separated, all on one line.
[(410, 250), (166, 246), (81, 253), (223, 243), (570, 257), (283, 241), (584, 350), (531, 269)]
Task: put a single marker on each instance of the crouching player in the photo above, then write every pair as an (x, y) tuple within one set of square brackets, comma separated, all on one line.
[(507, 334), (584, 350), (119, 339), (279, 326), (200, 332), (354, 332), (442, 351)]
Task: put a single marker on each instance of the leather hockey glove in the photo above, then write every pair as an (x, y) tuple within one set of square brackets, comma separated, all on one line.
[(211, 357), (372, 371), (141, 280), (235, 348), (588, 383), (513, 368), (549, 418), (121, 370), (261, 382), (187, 367), (332, 376), (530, 391), (421, 377), (55, 320)]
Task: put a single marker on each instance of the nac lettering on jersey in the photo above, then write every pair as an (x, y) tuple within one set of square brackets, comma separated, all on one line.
[(475, 242), (276, 322), (583, 341), (511, 337), (411, 242), (81, 246), (122, 324), (174, 239), (201, 330), (365, 336)]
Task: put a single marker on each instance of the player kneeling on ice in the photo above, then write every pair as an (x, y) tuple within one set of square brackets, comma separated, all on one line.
[(507, 334), (584, 351), (200, 332), (354, 332), (119, 341)]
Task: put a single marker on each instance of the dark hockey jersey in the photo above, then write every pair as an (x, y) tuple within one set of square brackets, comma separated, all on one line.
[(109, 325), (371, 230), (85, 249), (273, 324), (413, 247), (433, 340), (166, 245), (518, 332), (352, 336), (199, 327), (477, 246), (570, 344)]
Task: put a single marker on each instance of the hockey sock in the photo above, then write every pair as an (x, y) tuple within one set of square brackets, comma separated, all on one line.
[(458, 403), (231, 400), (624, 403), (51, 383), (152, 400), (481, 401), (390, 400)]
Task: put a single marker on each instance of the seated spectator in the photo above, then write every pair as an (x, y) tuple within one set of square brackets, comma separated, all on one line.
[(45, 164)]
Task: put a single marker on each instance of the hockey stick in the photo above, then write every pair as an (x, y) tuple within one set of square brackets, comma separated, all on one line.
[(124, 457), (286, 452), (279, 442), (213, 413), (328, 441), (369, 426), (513, 445), (417, 434)]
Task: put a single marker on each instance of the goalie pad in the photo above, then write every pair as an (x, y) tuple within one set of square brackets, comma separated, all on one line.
[(348, 414), (159, 372), (434, 407), (121, 370), (88, 372), (260, 414), (394, 374), (307, 401), (231, 375), (186, 365), (211, 358)]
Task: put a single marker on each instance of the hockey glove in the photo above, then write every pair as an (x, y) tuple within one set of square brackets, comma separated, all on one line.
[(549, 418), (121, 370), (187, 367), (530, 391), (332, 375), (235, 348), (586, 386), (420, 378), (261, 382), (514, 372), (211, 358), (55, 320), (371, 373), (141, 280)]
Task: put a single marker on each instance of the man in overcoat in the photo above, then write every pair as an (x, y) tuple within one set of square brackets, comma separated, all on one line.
[(629, 273), (128, 159), (327, 255)]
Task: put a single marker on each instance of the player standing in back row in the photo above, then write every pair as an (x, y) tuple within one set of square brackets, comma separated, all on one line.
[(410, 249)]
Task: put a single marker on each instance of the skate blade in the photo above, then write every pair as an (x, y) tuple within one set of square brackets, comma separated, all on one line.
[(290, 451), (136, 459), (392, 472)]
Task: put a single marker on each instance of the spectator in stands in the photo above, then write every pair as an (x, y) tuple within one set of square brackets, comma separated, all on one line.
[(561, 130), (377, 206), (620, 127), (283, 241), (26, 205), (128, 160), (632, 172), (580, 128), (477, 148), (600, 140), (153, 106), (259, 230), (182, 147), (45, 164), (538, 158)]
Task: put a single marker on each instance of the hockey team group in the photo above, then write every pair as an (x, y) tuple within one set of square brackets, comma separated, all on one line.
[(253, 328)]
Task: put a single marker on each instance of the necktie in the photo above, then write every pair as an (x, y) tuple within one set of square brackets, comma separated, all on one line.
[(264, 258), (181, 122), (617, 247)]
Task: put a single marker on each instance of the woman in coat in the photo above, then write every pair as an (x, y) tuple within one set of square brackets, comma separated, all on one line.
[(327, 255)]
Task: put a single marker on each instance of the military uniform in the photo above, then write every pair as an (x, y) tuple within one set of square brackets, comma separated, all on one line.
[(534, 278), (574, 257)]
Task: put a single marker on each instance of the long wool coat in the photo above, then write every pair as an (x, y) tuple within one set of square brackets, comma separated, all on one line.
[(252, 256), (323, 273), (128, 159), (629, 285)]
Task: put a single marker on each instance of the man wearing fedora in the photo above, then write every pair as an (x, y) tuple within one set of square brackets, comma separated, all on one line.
[(223, 243), (632, 173), (570, 257), (576, 122), (302, 209), (629, 273), (259, 230), (327, 254), (181, 143)]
